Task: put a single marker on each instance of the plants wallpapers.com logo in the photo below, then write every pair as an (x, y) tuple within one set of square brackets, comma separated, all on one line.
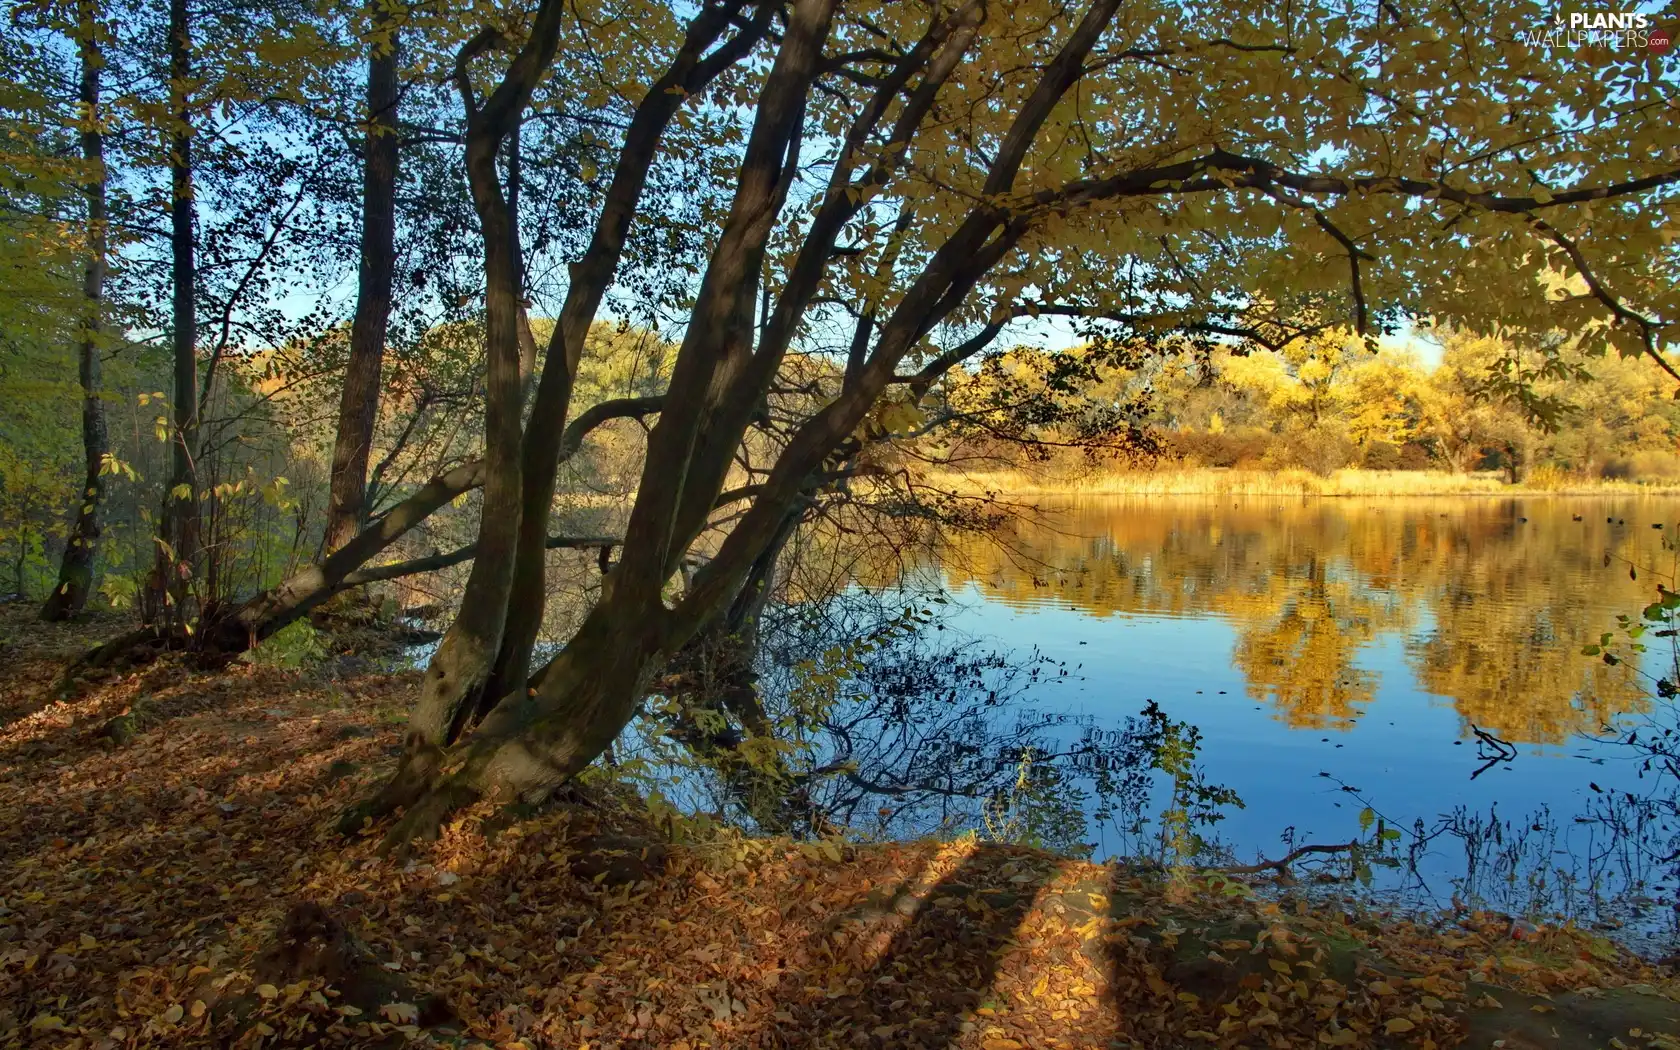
[(1622, 30)]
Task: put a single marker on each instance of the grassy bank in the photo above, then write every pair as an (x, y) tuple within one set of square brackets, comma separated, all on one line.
[(1230, 482), (185, 888)]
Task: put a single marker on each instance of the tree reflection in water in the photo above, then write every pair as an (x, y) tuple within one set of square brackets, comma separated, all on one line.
[(1495, 597), (889, 724)]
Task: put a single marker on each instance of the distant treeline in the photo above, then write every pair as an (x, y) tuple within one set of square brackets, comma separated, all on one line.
[(1537, 415)]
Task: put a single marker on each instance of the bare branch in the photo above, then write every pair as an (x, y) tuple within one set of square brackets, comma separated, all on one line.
[(432, 563)]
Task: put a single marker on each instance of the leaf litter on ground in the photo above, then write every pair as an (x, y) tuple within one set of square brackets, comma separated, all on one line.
[(187, 887)]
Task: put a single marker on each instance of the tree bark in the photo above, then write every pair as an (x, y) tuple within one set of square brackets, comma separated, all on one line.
[(462, 665), (532, 741), (528, 744), (75, 573), (690, 71), (171, 586), (358, 408)]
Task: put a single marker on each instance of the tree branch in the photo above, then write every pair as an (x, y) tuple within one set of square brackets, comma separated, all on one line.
[(1648, 327), (432, 563)]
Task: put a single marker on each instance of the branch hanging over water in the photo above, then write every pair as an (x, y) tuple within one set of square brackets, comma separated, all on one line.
[(1281, 866)]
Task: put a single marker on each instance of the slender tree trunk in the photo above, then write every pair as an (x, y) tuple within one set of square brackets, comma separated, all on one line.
[(170, 601), (75, 573), (527, 341), (527, 745), (541, 452), (463, 662), (462, 665), (358, 407)]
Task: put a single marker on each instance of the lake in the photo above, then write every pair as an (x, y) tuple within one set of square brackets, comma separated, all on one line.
[(1364, 639)]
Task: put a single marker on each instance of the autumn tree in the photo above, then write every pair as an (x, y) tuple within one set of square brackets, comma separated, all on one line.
[(376, 273), (75, 575), (900, 183), (1016, 196)]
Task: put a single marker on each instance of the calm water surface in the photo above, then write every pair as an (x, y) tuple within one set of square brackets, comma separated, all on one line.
[(1366, 639)]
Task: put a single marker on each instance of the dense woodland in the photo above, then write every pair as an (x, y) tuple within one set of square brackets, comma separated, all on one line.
[(597, 324)]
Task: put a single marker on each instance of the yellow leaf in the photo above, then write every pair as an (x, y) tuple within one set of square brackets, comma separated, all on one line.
[(1041, 987), (1488, 1002), (174, 1013), (267, 991), (197, 1009), (1397, 1025), (1279, 965)]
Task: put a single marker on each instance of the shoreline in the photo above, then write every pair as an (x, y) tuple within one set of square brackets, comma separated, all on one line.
[(1350, 483)]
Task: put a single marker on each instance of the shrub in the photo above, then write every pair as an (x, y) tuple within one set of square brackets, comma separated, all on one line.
[(1547, 477), (1648, 465), (1318, 449), (1380, 455), (1414, 456)]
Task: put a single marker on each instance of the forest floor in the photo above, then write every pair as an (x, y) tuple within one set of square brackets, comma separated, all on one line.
[(182, 885)]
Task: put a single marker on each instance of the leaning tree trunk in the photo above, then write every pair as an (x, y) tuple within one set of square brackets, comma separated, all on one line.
[(236, 630), (169, 604), (530, 743), (533, 741), (75, 573), (463, 662), (543, 448), (358, 407)]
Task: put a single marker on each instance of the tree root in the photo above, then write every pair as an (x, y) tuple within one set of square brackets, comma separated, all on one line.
[(423, 821), (136, 648), (414, 778), (218, 642), (425, 796)]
